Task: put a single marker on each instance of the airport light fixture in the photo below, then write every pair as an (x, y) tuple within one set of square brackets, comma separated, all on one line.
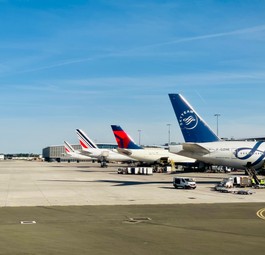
[(217, 115), (168, 133)]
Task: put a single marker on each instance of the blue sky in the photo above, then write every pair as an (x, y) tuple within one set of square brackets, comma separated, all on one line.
[(89, 64)]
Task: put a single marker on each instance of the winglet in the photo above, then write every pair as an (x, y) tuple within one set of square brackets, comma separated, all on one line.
[(85, 141), (124, 141), (192, 126)]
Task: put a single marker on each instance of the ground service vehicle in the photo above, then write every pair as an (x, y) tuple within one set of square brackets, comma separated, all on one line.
[(184, 182)]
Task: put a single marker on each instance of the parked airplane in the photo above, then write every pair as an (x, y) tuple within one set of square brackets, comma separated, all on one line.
[(103, 155), (74, 153), (202, 144), (127, 146)]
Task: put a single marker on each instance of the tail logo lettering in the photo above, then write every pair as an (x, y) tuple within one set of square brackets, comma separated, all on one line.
[(188, 120)]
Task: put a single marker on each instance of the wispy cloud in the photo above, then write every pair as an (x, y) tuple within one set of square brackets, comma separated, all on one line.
[(215, 35), (200, 96), (127, 83), (128, 52)]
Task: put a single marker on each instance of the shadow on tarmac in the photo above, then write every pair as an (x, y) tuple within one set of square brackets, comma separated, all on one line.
[(117, 183), (129, 183)]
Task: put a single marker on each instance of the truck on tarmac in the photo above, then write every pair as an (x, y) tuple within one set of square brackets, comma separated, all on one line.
[(184, 182), (236, 181)]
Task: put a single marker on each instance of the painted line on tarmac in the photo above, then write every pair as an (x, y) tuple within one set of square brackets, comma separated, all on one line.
[(261, 213)]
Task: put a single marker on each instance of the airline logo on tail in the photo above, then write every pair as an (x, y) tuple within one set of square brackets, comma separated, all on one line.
[(192, 126), (188, 120), (84, 140), (123, 139), (68, 148)]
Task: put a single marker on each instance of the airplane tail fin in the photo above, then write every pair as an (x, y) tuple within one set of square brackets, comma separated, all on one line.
[(124, 141), (85, 141), (192, 126), (68, 148)]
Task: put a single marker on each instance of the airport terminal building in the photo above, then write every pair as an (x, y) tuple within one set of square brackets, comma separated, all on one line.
[(57, 152)]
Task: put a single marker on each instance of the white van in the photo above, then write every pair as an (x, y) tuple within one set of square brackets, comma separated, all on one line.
[(184, 182)]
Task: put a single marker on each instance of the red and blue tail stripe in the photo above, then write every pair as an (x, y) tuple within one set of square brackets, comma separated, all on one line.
[(123, 139)]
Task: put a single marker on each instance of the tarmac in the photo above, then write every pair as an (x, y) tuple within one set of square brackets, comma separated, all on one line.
[(25, 183), (80, 208)]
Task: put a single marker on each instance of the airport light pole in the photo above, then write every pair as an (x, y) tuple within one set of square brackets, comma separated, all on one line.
[(168, 133), (139, 141), (217, 115)]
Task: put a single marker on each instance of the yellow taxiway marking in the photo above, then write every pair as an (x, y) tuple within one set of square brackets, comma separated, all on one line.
[(261, 213)]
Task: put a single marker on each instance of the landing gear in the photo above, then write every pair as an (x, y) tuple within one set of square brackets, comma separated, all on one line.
[(103, 164)]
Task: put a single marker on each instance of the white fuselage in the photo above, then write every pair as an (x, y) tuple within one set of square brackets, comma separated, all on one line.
[(154, 155), (109, 155), (236, 154)]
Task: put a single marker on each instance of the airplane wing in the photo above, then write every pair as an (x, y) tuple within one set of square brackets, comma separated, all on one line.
[(194, 148)]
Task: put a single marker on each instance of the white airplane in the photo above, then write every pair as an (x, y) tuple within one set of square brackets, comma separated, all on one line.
[(103, 155), (202, 144), (127, 146), (70, 151)]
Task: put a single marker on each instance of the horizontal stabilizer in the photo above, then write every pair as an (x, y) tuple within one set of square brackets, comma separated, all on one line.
[(195, 148), (88, 152), (124, 151)]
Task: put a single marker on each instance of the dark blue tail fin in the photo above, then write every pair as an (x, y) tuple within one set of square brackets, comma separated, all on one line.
[(123, 139), (192, 126)]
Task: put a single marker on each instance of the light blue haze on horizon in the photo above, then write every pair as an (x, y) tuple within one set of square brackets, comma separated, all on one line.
[(89, 64)]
